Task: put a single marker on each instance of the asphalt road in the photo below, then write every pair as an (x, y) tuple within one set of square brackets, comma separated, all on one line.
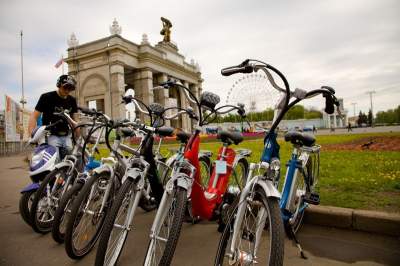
[(19, 245)]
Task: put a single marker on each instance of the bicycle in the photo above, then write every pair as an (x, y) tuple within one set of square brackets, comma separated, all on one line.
[(260, 208), (120, 218), (63, 210), (57, 182), (185, 182)]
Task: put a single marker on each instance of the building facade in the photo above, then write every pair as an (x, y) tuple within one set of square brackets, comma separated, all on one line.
[(105, 68)]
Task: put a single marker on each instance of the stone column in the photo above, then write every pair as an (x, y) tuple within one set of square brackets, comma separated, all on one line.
[(117, 91), (143, 83), (163, 95)]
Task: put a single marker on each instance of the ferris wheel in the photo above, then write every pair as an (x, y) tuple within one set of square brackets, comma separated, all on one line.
[(254, 91)]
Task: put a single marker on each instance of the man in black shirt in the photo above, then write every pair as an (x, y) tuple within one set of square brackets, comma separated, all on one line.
[(48, 102)]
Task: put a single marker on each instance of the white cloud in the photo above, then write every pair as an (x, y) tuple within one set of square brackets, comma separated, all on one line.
[(352, 45)]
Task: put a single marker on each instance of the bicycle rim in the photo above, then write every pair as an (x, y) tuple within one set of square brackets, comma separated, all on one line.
[(260, 232), (163, 243), (89, 220), (120, 226)]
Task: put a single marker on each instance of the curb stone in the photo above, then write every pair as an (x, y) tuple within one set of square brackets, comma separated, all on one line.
[(362, 220)]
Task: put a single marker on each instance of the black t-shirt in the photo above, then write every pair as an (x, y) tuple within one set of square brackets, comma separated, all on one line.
[(47, 104)]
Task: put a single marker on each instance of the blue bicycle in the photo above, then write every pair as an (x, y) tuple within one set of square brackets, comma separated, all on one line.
[(255, 225)]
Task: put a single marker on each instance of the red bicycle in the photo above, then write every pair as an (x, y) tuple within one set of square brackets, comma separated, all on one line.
[(185, 184)]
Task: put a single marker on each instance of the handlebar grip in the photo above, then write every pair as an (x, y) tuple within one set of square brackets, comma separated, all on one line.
[(127, 99), (168, 83), (236, 69), (87, 111), (329, 104), (330, 89)]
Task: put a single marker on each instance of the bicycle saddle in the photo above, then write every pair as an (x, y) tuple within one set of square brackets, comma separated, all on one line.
[(127, 132), (165, 131), (299, 138), (182, 136), (228, 137)]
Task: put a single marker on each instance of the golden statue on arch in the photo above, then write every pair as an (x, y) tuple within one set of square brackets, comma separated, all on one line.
[(166, 30)]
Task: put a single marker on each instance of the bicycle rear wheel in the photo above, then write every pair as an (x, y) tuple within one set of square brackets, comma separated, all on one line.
[(300, 190), (25, 203), (260, 231), (63, 212), (163, 242), (116, 227), (87, 218)]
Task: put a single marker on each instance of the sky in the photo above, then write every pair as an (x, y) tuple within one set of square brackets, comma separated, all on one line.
[(352, 46)]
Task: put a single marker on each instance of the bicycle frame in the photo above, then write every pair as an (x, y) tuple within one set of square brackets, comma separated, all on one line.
[(205, 200)]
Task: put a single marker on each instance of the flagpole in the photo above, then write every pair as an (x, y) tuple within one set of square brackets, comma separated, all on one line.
[(23, 102)]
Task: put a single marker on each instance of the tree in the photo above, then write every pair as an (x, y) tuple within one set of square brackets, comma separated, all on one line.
[(362, 119), (370, 117)]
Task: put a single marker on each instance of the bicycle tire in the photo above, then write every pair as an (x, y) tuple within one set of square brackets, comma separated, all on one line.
[(275, 227), (300, 186), (25, 203), (180, 200), (76, 214), (60, 218), (244, 169), (120, 201), (205, 170), (44, 227)]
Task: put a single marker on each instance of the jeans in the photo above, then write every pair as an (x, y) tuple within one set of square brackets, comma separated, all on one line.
[(62, 143)]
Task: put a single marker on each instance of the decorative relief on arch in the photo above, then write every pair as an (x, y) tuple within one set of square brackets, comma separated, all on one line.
[(93, 85)]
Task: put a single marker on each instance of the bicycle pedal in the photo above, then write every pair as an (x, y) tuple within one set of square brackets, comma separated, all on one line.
[(312, 198)]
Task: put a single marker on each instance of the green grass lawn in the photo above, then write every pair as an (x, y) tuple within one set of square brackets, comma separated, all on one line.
[(352, 179)]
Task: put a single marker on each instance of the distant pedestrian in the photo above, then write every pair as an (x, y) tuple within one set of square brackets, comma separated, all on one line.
[(314, 129), (349, 127)]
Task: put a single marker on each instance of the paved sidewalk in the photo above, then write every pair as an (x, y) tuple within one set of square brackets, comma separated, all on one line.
[(19, 245)]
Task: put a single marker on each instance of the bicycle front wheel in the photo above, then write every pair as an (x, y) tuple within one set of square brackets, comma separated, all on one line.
[(88, 212), (46, 200), (163, 241), (116, 225), (260, 234)]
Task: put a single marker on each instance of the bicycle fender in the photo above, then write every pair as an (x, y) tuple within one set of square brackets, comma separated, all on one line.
[(104, 168), (184, 182), (31, 187), (269, 189), (66, 163), (133, 173)]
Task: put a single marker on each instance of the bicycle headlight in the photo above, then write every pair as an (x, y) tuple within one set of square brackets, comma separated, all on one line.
[(275, 164)]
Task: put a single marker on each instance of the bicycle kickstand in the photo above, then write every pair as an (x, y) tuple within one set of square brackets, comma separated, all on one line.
[(293, 236)]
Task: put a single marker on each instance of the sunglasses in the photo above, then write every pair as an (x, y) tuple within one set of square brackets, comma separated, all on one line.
[(68, 87)]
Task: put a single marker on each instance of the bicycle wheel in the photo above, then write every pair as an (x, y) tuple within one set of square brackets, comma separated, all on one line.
[(239, 174), (25, 203), (300, 190), (205, 170), (116, 227), (63, 212), (45, 202), (87, 218), (254, 238), (163, 242)]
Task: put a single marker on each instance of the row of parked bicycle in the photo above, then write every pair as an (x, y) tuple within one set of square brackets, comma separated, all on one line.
[(83, 201)]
